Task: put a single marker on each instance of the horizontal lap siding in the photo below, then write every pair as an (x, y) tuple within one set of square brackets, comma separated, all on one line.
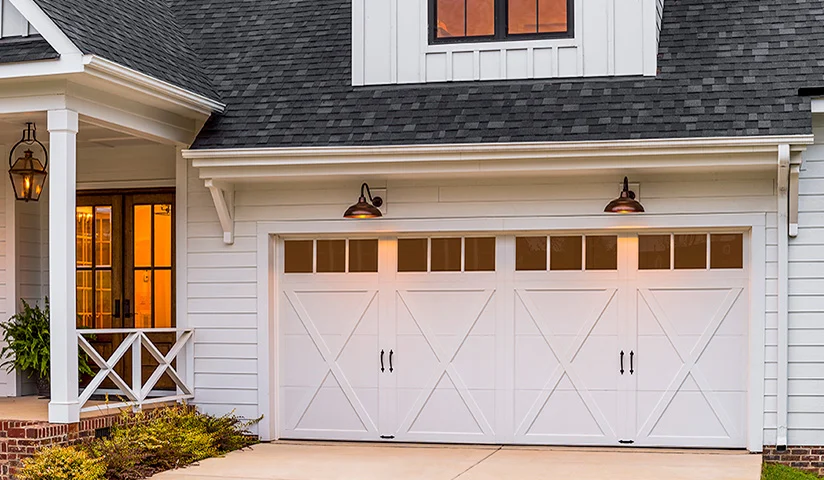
[(222, 279), (805, 420)]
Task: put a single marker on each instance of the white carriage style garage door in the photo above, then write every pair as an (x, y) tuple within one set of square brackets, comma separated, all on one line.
[(557, 339)]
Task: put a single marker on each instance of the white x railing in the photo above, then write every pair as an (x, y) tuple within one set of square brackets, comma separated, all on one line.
[(137, 394)]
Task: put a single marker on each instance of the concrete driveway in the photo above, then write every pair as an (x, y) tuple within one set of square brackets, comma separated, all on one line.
[(341, 461)]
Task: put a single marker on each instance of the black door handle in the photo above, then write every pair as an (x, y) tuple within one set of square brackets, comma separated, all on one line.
[(116, 313), (391, 354), (631, 362), (382, 369), (127, 309), (622, 362)]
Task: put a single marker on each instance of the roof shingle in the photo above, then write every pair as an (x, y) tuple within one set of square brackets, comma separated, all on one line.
[(26, 49)]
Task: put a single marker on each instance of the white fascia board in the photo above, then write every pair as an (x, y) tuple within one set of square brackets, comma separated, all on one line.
[(127, 77), (817, 105), (46, 27), (735, 152)]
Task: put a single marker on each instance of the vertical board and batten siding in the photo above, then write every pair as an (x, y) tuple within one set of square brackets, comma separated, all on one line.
[(222, 279), (612, 37), (660, 16), (12, 22), (805, 420)]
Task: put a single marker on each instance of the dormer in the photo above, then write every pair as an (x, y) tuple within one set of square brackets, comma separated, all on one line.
[(12, 22), (423, 41)]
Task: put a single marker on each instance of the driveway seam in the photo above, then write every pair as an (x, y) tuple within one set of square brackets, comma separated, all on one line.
[(478, 462)]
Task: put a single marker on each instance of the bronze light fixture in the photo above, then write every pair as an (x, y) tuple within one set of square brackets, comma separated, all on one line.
[(364, 208), (626, 203), (28, 173)]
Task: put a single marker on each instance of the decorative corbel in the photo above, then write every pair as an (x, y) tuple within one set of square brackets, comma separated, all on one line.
[(223, 195)]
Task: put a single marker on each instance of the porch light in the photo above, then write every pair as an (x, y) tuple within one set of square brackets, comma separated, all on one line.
[(28, 173), (626, 203), (364, 208)]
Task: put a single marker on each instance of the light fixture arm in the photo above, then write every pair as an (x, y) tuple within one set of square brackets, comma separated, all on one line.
[(376, 201), (29, 139)]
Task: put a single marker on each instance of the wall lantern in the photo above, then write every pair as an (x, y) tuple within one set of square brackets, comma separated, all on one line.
[(626, 203), (28, 173), (364, 208)]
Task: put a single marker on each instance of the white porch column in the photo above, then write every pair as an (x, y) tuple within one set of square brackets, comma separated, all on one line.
[(64, 406)]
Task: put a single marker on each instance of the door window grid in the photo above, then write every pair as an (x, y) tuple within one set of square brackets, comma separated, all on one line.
[(325, 256), (728, 254), (94, 266), (585, 246), (152, 265), (484, 259)]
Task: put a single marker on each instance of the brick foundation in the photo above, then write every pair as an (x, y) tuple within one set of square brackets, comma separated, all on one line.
[(21, 439), (807, 459)]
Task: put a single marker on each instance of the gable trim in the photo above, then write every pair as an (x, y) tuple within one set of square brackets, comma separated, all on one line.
[(46, 27)]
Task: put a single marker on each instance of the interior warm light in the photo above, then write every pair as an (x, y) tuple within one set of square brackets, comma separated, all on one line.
[(364, 208), (626, 203)]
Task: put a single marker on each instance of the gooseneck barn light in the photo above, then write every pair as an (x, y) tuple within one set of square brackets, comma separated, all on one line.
[(626, 203), (364, 208), (28, 173)]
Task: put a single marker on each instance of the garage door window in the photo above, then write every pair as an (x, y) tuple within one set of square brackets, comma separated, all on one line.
[(727, 251), (446, 255), (691, 251), (330, 256), (530, 254), (602, 252), (566, 253)]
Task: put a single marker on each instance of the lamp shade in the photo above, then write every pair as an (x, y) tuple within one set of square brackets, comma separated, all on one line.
[(365, 208), (626, 203)]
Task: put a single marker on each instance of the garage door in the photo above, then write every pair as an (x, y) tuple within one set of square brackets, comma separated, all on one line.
[(557, 339)]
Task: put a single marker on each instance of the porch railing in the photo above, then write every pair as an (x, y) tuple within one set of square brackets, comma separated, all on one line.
[(137, 393)]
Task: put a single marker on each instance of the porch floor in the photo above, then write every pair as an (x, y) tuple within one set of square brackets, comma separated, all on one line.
[(36, 409)]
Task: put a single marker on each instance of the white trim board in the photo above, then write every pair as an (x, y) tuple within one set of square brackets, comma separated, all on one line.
[(267, 281)]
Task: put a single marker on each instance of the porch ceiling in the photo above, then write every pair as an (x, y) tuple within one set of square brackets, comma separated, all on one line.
[(89, 135)]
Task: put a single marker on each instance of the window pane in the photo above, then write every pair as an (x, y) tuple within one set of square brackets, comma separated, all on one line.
[(298, 256), (363, 256), (84, 236), (523, 16), (480, 255), (143, 235), (412, 254), (727, 251), (530, 253), (480, 18), (331, 256), (552, 16), (446, 254), (142, 299), (690, 252), (163, 235), (103, 299), (85, 314), (451, 18), (163, 299), (602, 253), (653, 252), (103, 236), (565, 253)]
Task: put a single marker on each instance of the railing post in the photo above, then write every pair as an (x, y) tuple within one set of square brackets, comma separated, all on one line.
[(137, 370)]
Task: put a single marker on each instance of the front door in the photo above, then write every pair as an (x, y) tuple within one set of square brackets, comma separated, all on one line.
[(125, 269)]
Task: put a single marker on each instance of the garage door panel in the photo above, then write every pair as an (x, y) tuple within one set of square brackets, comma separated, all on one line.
[(330, 409), (731, 353), (531, 374), (567, 312), (689, 310), (597, 363), (561, 413), (307, 366)]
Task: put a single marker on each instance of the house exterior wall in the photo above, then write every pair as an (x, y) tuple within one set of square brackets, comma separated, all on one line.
[(222, 297), (612, 37)]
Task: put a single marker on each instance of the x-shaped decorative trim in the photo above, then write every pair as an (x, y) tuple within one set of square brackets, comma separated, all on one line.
[(331, 359), (565, 367), (446, 367), (689, 359)]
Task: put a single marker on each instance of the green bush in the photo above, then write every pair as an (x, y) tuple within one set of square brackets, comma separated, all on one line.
[(780, 472), (62, 463)]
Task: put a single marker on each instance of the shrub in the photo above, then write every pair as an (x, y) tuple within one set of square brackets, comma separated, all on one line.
[(780, 472), (124, 460), (62, 463)]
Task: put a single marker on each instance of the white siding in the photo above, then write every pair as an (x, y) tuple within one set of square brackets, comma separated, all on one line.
[(612, 37), (12, 23), (805, 422), (222, 279)]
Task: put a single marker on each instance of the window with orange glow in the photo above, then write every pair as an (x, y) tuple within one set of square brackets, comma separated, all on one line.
[(488, 20), (153, 289)]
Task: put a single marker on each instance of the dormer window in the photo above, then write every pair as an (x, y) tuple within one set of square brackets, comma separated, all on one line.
[(498, 20)]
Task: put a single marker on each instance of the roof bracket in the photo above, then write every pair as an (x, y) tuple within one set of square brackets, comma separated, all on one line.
[(223, 194)]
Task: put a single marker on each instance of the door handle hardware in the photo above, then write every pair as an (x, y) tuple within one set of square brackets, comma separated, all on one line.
[(387, 437), (116, 313), (631, 362), (622, 362), (626, 442), (127, 308), (391, 354), (382, 369)]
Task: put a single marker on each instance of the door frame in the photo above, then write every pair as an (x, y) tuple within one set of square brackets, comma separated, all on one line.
[(268, 263)]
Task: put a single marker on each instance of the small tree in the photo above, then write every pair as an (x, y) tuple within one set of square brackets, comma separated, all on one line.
[(27, 345)]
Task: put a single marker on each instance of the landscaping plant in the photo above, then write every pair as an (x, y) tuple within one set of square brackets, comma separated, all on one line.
[(149, 442), (780, 472), (27, 345), (62, 463)]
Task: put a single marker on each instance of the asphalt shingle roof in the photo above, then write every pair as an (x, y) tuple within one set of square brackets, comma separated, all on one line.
[(140, 34), (26, 49), (283, 67)]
